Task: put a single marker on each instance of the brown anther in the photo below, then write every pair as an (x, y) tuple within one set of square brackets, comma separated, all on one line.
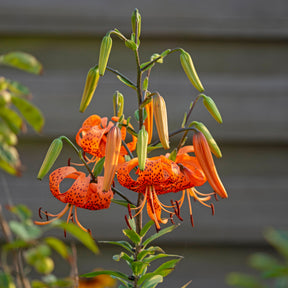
[(39, 213), (127, 222), (65, 233), (192, 220), (129, 210), (46, 214), (215, 196), (178, 211), (212, 208), (84, 156), (69, 162), (157, 229), (89, 231), (171, 219)]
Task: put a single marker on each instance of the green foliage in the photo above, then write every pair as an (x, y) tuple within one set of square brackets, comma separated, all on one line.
[(29, 248), (140, 257), (270, 268), (16, 109)]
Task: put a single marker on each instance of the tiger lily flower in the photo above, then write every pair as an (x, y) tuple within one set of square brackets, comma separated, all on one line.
[(161, 175), (92, 136), (82, 194)]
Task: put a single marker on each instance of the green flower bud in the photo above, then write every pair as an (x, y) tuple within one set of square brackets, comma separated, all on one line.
[(105, 50), (141, 149), (51, 156), (118, 104), (90, 87), (160, 114), (136, 23), (211, 142), (212, 108), (190, 71)]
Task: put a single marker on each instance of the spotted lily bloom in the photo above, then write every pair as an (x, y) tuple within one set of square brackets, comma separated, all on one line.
[(161, 175), (92, 136), (82, 194)]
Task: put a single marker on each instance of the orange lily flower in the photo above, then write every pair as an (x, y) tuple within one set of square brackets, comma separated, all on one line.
[(92, 136), (161, 175), (191, 168), (83, 194)]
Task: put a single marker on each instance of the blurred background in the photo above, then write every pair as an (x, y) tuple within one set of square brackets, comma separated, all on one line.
[(240, 50)]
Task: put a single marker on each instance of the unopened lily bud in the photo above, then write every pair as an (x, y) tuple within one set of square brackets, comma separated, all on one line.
[(136, 23), (50, 158), (148, 123), (205, 159), (105, 49), (155, 56), (118, 104), (212, 108), (112, 153), (211, 142), (141, 149), (160, 114), (89, 88), (190, 71)]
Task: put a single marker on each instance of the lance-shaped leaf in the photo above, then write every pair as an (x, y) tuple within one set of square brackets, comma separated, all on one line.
[(9, 159), (50, 157), (118, 275), (124, 244), (132, 235), (12, 119), (23, 61), (30, 113)]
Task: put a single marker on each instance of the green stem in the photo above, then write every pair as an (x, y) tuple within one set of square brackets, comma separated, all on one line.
[(79, 153)]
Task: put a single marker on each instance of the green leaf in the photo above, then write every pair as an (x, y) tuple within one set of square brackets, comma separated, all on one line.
[(23, 61), (167, 267), (24, 231), (122, 244), (16, 245), (276, 272), (12, 119), (5, 280), (99, 167), (132, 235), (146, 228), (124, 256), (138, 267), (122, 203), (115, 274), (159, 256), (78, 233), (10, 155), (151, 148), (153, 281), (150, 251), (18, 88), (159, 234), (7, 167), (279, 240), (243, 280), (22, 211), (126, 82), (31, 113), (6, 135), (59, 246), (263, 262)]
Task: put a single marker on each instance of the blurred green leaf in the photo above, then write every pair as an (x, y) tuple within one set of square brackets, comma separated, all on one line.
[(279, 240), (24, 231), (243, 280), (9, 168), (99, 167), (23, 61), (31, 113), (18, 88), (262, 261), (122, 244), (12, 119), (59, 246), (115, 274), (9, 154), (5, 280), (22, 211), (84, 237), (276, 272)]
